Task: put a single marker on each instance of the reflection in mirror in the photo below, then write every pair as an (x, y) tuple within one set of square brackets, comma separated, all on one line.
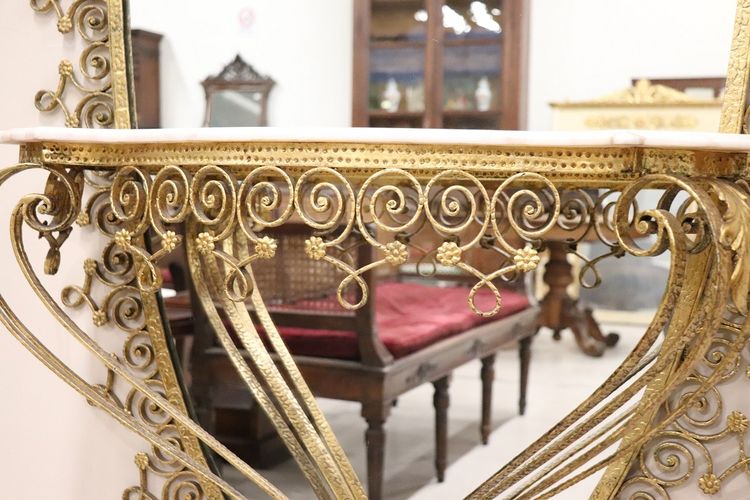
[(393, 63), (234, 108), (237, 97)]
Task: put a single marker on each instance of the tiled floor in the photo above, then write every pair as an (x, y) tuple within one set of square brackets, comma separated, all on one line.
[(561, 377)]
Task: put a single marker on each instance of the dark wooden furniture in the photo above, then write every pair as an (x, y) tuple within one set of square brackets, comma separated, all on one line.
[(237, 96), (408, 334), (437, 51), (560, 311), (146, 77)]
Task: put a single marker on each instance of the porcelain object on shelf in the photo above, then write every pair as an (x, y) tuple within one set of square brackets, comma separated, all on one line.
[(483, 94), (391, 96)]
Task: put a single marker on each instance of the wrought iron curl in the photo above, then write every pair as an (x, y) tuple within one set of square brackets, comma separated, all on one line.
[(261, 202), (642, 488), (668, 458), (456, 206), (139, 355)]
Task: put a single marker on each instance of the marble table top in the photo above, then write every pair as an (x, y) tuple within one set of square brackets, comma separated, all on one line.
[(605, 158), (598, 139)]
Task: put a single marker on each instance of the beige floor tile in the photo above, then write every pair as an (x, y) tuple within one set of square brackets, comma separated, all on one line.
[(561, 377)]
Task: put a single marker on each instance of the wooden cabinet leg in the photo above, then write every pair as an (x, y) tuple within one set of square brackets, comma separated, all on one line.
[(524, 354), (488, 377), (441, 400), (375, 414)]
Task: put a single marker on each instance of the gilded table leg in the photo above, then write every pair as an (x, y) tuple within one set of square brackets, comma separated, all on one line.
[(670, 422)]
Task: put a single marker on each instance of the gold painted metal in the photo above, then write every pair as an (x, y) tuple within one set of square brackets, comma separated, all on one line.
[(470, 196), (734, 110), (103, 80), (102, 66), (701, 220), (643, 106), (647, 122), (565, 166), (692, 311)]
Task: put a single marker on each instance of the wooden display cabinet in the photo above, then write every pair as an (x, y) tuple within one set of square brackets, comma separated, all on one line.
[(146, 77), (436, 54)]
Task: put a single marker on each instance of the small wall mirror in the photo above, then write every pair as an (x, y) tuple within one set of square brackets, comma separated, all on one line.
[(237, 96)]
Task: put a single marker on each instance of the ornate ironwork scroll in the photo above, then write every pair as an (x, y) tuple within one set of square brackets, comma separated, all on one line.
[(661, 409), (101, 77), (226, 218), (734, 113), (100, 84), (706, 298), (229, 212)]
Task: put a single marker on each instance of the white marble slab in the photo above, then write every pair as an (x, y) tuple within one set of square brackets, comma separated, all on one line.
[(603, 138)]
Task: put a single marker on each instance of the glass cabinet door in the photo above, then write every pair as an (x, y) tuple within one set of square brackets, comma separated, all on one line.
[(396, 94), (440, 63), (472, 51)]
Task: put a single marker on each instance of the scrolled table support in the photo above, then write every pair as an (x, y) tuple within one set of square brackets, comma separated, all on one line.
[(54, 212), (225, 218), (706, 297), (701, 220)]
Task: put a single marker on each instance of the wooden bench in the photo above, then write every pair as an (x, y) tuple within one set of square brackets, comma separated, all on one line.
[(408, 333)]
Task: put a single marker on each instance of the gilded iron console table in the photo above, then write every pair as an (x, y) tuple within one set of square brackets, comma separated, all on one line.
[(471, 188)]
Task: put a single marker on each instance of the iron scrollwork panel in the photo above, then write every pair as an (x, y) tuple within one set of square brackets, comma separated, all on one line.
[(95, 93), (692, 349), (701, 222)]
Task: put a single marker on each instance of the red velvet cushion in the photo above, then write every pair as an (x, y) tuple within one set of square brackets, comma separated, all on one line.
[(409, 317), (166, 275)]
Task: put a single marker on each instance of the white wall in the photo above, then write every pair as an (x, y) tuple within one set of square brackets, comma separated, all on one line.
[(306, 47), (580, 49), (54, 445)]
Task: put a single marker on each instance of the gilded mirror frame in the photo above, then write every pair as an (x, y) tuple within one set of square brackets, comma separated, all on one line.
[(721, 199), (103, 96)]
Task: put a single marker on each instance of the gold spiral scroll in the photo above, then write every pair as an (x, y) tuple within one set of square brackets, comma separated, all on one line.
[(102, 74), (101, 80), (42, 212), (226, 218), (703, 235), (706, 237)]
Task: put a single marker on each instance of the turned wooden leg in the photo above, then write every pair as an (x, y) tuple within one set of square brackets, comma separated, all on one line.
[(441, 400), (558, 274), (610, 340), (524, 353), (375, 414), (579, 325), (560, 311), (488, 376)]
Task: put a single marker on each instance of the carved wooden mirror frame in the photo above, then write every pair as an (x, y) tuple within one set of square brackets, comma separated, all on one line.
[(239, 76), (137, 187)]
